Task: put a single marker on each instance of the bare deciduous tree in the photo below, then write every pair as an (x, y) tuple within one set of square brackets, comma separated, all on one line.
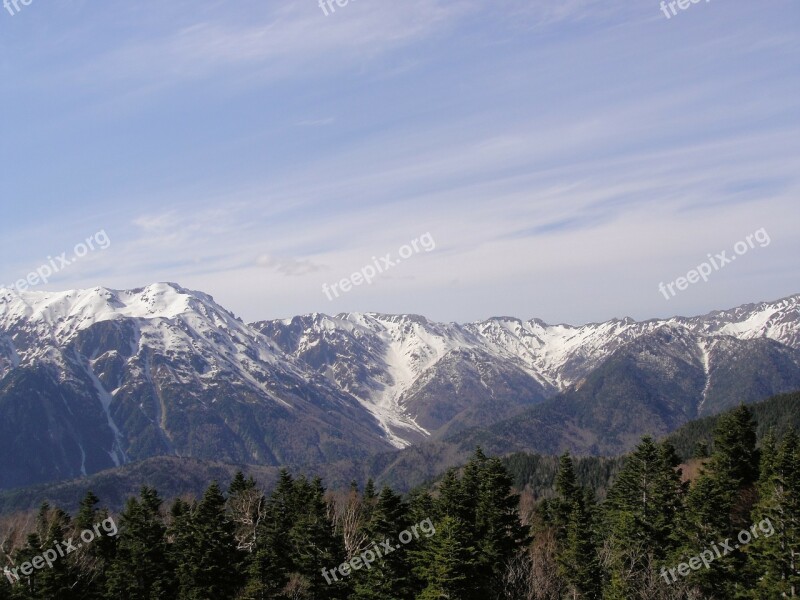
[(247, 510), (14, 529), (348, 514), (641, 575), (297, 588)]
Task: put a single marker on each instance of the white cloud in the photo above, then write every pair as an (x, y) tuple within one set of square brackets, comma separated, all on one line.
[(291, 267)]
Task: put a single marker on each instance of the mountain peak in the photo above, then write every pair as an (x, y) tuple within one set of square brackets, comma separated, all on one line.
[(142, 363)]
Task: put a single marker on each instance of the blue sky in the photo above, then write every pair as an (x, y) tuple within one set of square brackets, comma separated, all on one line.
[(566, 156)]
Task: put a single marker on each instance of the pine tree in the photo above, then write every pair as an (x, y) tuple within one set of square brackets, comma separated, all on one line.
[(271, 565), (453, 501), (735, 456), (649, 489), (142, 569), (447, 565), (388, 576), (246, 508), (640, 514), (720, 502), (499, 531), (569, 493), (369, 491), (482, 504), (53, 530), (566, 481), (774, 557), (314, 541), (205, 551), (576, 553), (96, 557)]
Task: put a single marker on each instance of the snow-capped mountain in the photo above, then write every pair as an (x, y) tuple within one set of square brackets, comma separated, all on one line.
[(94, 378), (389, 362)]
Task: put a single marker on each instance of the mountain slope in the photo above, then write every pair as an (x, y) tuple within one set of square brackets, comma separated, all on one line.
[(403, 470), (95, 378), (652, 385), (121, 376)]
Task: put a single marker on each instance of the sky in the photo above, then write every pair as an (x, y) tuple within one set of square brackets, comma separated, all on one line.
[(564, 157)]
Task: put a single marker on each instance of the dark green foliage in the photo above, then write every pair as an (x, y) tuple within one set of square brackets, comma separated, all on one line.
[(572, 521), (719, 503), (204, 551), (537, 473), (447, 566), (389, 577), (143, 569), (467, 538), (53, 527), (640, 516), (775, 559), (779, 415), (482, 521), (295, 540)]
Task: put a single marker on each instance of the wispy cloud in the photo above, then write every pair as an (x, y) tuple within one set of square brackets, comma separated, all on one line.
[(561, 152), (291, 267), (263, 42)]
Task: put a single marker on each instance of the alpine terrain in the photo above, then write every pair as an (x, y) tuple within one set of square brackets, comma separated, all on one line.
[(94, 378)]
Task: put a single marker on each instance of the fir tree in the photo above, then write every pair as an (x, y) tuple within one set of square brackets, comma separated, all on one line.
[(53, 530), (313, 539), (720, 502), (639, 517), (576, 554), (389, 575), (774, 560), (270, 568), (447, 565), (205, 551), (142, 569), (498, 529)]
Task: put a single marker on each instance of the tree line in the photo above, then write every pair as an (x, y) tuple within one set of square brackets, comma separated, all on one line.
[(239, 543)]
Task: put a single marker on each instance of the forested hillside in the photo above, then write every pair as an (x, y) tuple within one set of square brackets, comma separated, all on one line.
[(732, 533), (778, 414)]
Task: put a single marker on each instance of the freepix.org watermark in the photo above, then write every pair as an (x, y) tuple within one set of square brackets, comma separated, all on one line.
[(675, 5), (715, 263), (328, 7), (706, 557), (374, 551), (13, 6), (369, 272), (98, 241), (60, 550)]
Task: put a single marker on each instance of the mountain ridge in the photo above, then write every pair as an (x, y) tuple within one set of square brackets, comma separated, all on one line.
[(162, 370)]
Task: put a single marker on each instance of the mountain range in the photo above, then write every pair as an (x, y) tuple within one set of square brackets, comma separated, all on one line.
[(97, 378)]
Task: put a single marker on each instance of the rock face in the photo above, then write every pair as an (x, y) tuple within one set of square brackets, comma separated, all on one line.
[(95, 378)]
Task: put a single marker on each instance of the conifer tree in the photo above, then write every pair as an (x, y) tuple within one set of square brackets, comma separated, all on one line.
[(446, 568), (246, 509), (205, 551), (142, 569), (53, 529), (639, 517), (389, 575), (453, 500), (96, 557), (560, 509), (314, 541), (271, 565), (485, 510), (774, 560), (576, 553), (498, 529), (720, 502)]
